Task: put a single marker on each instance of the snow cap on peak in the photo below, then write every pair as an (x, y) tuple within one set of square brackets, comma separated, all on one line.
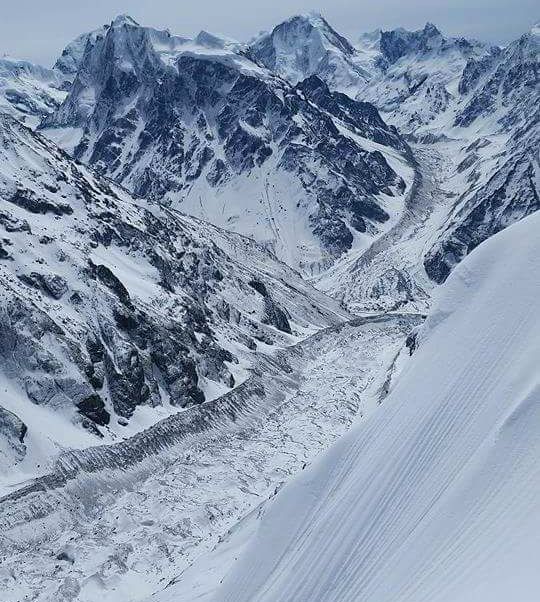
[(535, 29), (315, 18), (121, 20), (431, 30), (314, 21), (213, 40), (312, 17)]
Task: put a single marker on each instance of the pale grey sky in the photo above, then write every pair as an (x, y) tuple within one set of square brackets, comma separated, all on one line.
[(39, 29)]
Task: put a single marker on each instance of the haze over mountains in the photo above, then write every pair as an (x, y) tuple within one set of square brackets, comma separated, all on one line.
[(214, 258)]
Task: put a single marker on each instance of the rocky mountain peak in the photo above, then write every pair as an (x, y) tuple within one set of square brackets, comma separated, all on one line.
[(72, 55), (307, 45), (400, 42), (68, 62), (184, 124), (122, 20), (430, 30), (302, 28)]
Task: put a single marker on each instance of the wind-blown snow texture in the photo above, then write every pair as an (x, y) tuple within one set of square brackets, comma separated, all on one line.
[(435, 497), (163, 374)]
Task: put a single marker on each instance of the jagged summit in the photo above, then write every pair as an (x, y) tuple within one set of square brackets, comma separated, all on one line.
[(306, 24), (193, 122), (431, 30), (316, 20), (399, 42), (69, 61), (124, 19), (305, 45)]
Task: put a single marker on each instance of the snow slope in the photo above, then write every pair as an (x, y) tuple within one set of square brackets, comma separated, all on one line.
[(115, 313), (435, 498), (306, 45), (29, 92)]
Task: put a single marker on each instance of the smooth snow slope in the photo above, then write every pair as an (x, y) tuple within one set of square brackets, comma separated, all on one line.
[(436, 497)]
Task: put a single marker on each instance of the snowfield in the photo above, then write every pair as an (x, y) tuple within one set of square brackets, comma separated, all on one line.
[(435, 497), (261, 336)]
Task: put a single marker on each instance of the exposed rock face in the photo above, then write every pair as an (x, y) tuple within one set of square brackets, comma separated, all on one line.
[(192, 128), (12, 431), (273, 314), (397, 43), (109, 304), (510, 195), (70, 59), (416, 73), (51, 284), (441, 90), (113, 306), (506, 81), (363, 117), (504, 90)]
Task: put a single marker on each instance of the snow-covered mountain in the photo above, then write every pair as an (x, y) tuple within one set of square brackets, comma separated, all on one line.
[(186, 226), (144, 109), (29, 92), (116, 312), (418, 74), (68, 62), (498, 169), (200, 126), (306, 45), (434, 498), (471, 113)]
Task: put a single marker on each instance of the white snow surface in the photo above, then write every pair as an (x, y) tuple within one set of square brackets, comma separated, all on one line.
[(166, 529), (435, 497), (27, 91), (30, 163), (432, 498), (306, 45)]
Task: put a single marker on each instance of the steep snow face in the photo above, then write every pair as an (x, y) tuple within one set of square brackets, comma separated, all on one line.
[(434, 498), (27, 91), (115, 313), (306, 171), (68, 62), (306, 45)]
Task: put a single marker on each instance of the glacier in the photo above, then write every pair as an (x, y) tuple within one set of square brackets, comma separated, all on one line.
[(267, 317)]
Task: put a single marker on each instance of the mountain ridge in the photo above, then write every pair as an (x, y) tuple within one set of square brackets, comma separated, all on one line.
[(216, 259)]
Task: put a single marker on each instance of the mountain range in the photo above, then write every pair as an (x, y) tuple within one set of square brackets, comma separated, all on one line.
[(225, 252)]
